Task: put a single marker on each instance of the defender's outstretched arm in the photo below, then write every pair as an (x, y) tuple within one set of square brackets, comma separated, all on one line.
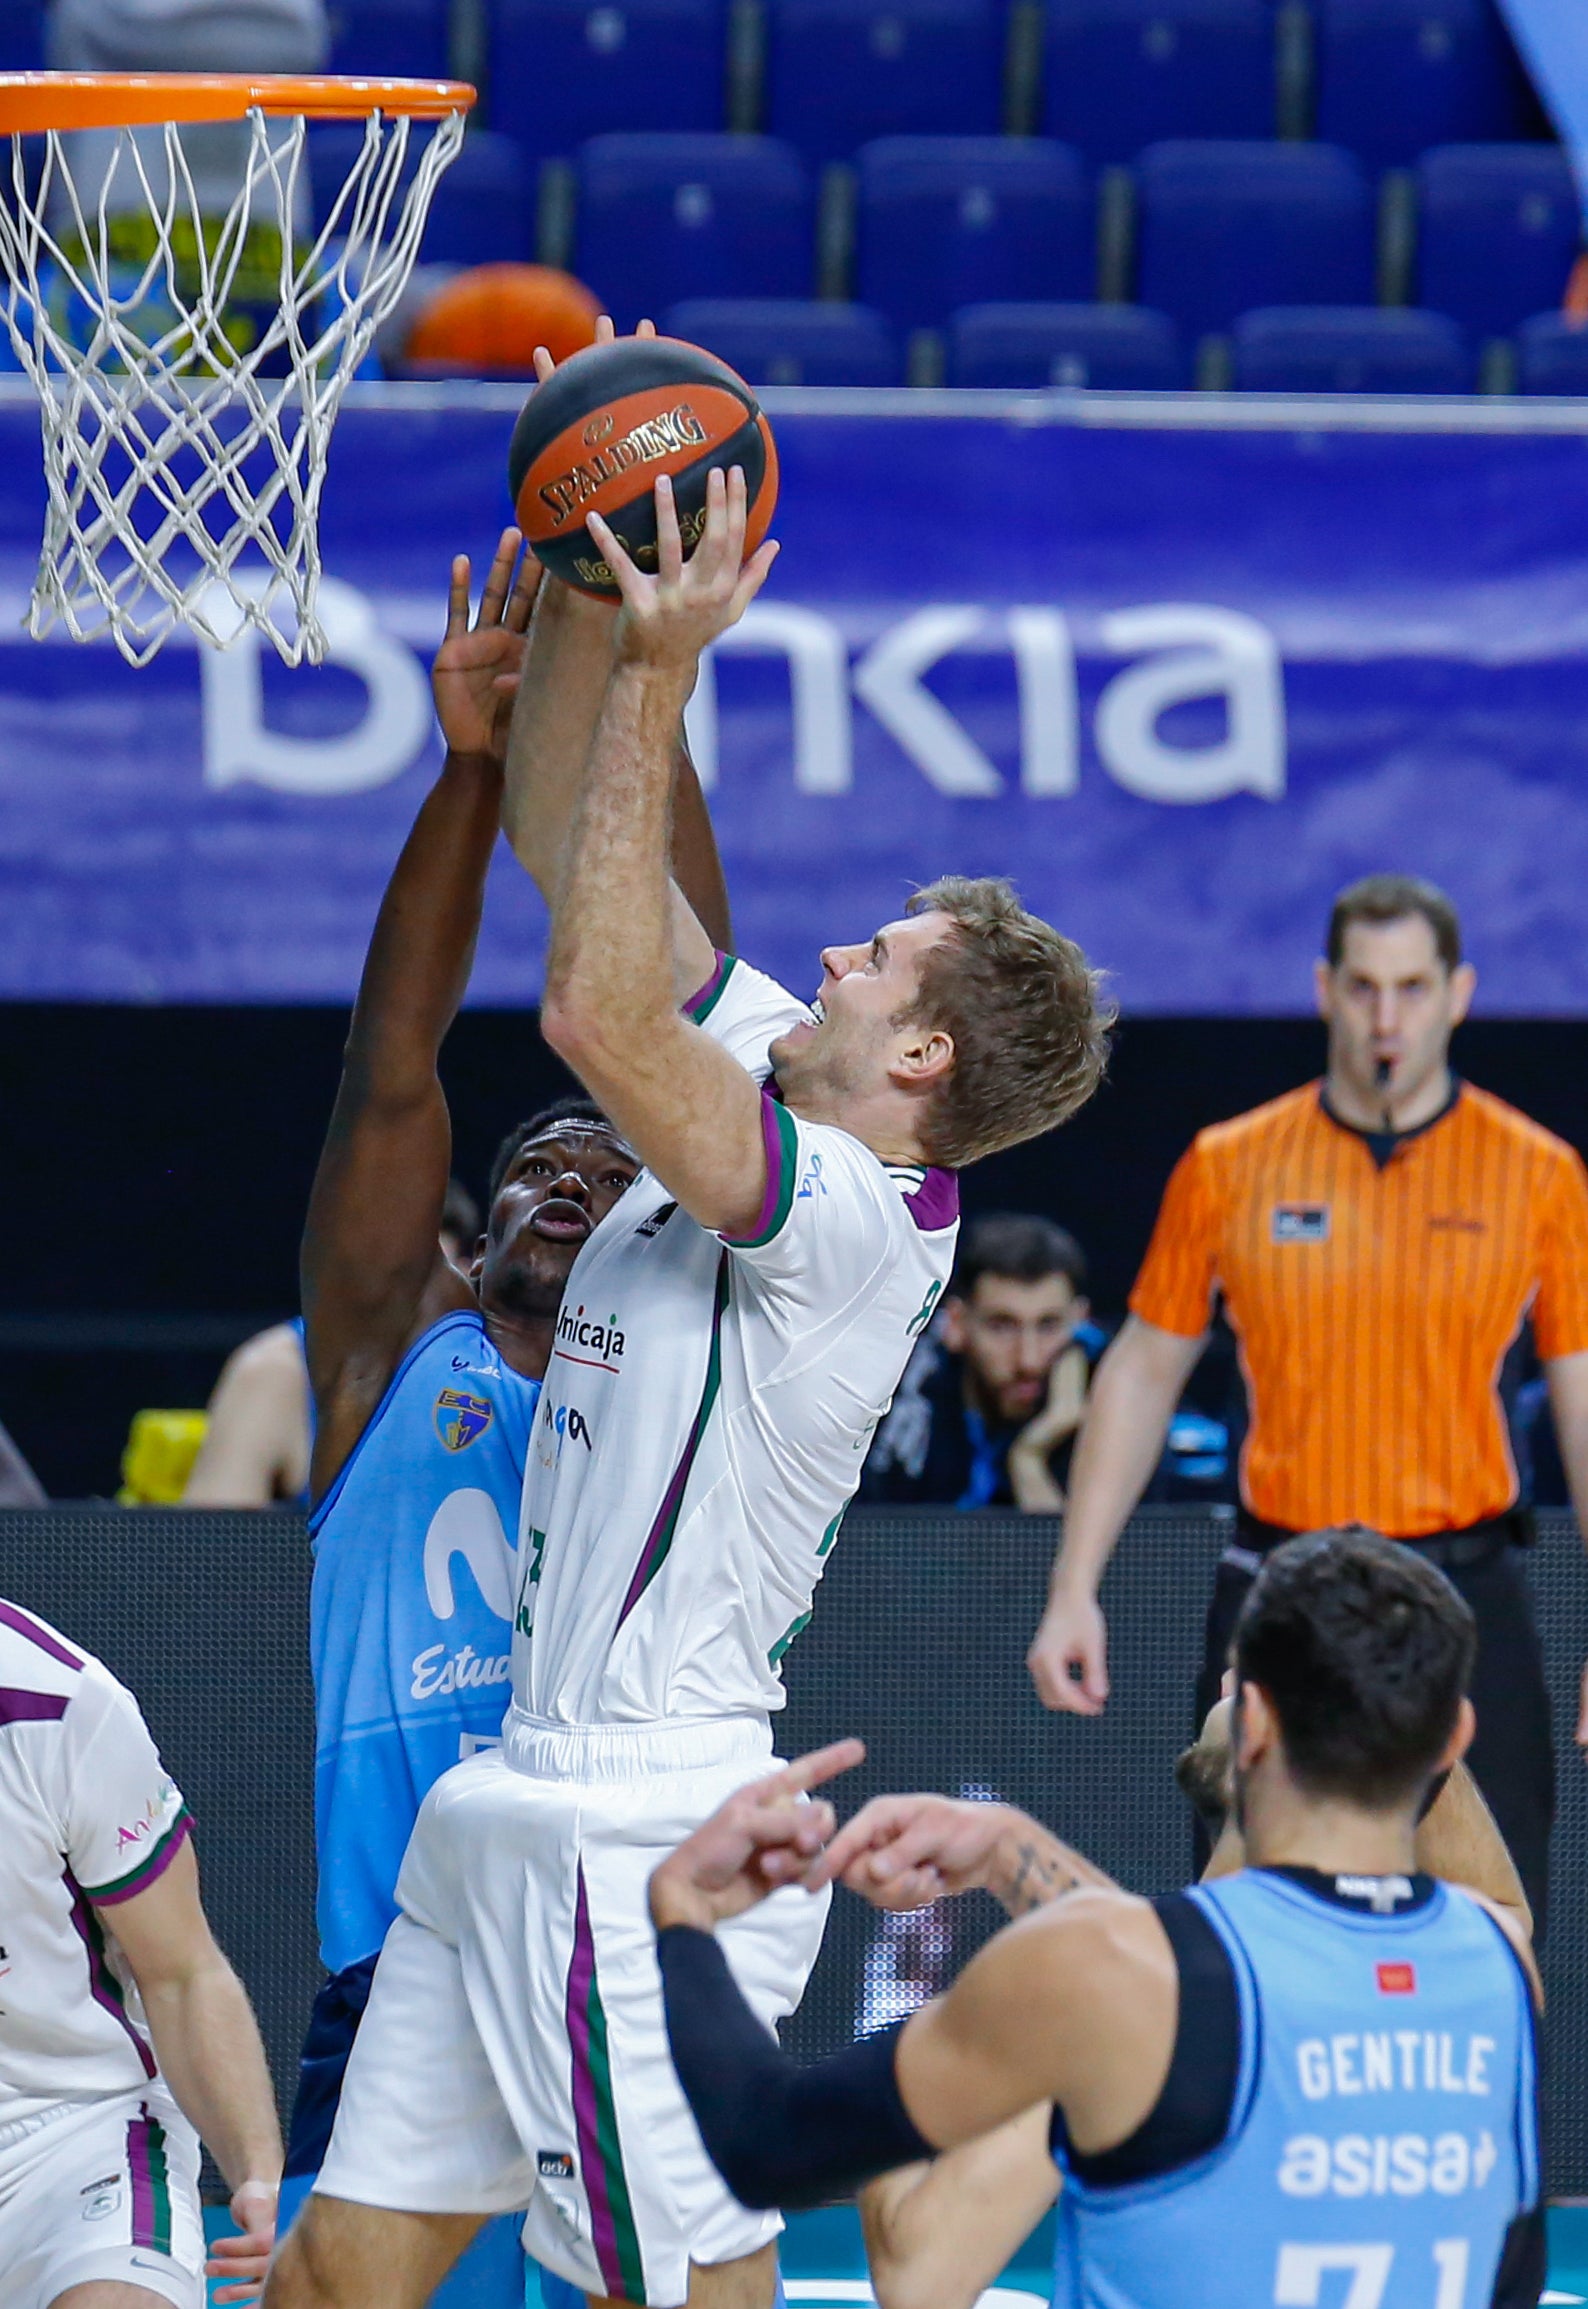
[(373, 1274), (559, 703)]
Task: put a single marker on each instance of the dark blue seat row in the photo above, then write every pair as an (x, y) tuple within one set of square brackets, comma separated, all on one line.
[(1387, 77), (1552, 355), (1033, 347), (1221, 228)]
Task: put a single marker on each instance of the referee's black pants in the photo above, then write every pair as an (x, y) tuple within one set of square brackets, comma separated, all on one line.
[(1512, 1757)]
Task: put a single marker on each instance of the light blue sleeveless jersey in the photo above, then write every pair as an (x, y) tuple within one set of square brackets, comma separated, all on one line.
[(1383, 2137), (414, 1571)]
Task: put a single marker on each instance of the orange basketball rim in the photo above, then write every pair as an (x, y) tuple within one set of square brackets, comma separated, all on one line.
[(34, 102)]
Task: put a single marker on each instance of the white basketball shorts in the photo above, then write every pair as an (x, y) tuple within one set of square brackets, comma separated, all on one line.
[(101, 2192), (513, 2052)]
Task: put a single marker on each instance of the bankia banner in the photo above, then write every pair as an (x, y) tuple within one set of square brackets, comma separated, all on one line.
[(1181, 676)]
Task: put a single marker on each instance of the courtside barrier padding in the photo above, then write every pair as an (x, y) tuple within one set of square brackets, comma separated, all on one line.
[(918, 1644)]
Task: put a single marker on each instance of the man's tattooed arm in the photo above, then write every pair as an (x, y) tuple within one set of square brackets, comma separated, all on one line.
[(1030, 1868)]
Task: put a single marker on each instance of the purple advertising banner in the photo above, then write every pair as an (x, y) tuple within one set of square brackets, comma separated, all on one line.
[(1182, 668)]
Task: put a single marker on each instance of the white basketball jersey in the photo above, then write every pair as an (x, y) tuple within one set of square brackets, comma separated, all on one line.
[(707, 1410), (88, 1818)]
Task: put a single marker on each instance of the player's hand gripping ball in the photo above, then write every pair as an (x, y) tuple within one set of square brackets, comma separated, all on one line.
[(595, 437)]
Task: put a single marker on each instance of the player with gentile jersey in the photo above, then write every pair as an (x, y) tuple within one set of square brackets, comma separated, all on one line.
[(730, 1336), (426, 1370), (1312, 2083), (125, 2036), (941, 2230)]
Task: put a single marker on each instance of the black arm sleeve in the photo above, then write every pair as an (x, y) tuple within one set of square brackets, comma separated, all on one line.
[(779, 2134)]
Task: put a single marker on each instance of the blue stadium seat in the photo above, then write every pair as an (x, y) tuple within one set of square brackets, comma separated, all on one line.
[(483, 210), (1225, 227), (563, 71), (1552, 355), (946, 221), (404, 38), (1123, 74), (1025, 348), (784, 341), (1396, 76), (22, 36), (1350, 349), (840, 72), (664, 218), (1498, 228)]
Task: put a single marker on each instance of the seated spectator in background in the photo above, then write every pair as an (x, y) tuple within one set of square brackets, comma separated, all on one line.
[(990, 1402), (256, 1450)]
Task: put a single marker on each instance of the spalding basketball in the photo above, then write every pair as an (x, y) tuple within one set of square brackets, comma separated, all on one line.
[(598, 434)]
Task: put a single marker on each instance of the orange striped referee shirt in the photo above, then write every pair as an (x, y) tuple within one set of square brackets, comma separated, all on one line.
[(1374, 1301)]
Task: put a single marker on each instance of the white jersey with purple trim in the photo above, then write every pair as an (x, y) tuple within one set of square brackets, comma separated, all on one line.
[(88, 1817), (707, 1411)]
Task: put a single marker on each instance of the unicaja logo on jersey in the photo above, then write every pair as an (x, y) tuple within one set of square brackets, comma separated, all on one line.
[(461, 1419), (583, 1338)]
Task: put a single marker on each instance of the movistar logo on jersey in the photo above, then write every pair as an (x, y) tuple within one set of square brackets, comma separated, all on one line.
[(600, 1342), (461, 1419), (467, 1524)]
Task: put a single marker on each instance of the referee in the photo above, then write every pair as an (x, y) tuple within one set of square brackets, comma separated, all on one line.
[(1377, 1239)]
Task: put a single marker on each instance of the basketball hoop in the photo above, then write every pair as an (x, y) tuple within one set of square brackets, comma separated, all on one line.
[(190, 365)]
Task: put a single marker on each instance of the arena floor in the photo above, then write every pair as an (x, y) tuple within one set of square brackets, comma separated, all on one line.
[(1568, 2254)]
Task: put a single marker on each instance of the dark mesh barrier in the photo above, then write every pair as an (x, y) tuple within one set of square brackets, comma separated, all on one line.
[(918, 1644)]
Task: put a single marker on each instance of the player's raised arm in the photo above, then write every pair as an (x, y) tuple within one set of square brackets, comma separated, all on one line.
[(373, 1271), (559, 703), (625, 951), (559, 700)]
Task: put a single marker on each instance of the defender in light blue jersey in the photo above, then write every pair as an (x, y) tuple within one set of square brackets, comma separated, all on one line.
[(410, 1605), (426, 1373), (1311, 2084), (1349, 2113)]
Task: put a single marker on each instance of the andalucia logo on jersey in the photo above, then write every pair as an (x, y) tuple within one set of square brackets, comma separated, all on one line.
[(461, 1419)]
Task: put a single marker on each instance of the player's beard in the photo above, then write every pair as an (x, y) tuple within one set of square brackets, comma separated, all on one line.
[(1203, 1774), (824, 1073)]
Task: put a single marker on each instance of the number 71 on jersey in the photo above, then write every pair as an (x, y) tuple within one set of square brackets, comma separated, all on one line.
[(1298, 2281)]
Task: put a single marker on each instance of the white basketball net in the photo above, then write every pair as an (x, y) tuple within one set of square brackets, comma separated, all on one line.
[(184, 474)]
